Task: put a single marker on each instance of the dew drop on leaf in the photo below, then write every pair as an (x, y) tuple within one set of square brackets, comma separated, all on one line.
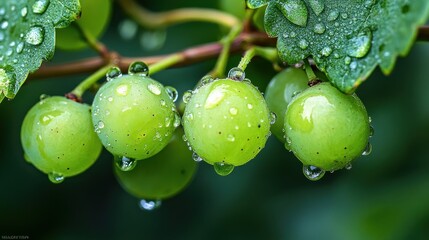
[(313, 173), (333, 15), (319, 28), (317, 6), (149, 205), (138, 68), (295, 11), (223, 169), (40, 6), (24, 12), (326, 51), (303, 44), (359, 46), (35, 35)]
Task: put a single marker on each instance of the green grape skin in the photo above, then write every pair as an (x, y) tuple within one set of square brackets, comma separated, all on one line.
[(134, 116), (234, 7), (163, 175), (58, 137), (94, 20), (227, 121), (279, 93), (326, 128)]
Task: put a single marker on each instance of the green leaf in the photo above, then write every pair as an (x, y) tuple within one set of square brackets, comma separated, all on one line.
[(346, 39), (27, 37)]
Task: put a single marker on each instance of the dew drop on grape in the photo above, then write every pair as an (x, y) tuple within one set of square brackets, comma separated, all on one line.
[(155, 89), (273, 118), (288, 143), (124, 163), (187, 96), (313, 173), (223, 169), (138, 68), (206, 79), (236, 74), (149, 205), (113, 73), (172, 93), (177, 120), (196, 157), (43, 96), (348, 166), (371, 131), (367, 150), (56, 177)]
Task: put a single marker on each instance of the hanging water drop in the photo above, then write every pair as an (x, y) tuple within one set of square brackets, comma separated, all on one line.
[(319, 28), (4, 24), (313, 173), (124, 163), (153, 88), (368, 150), (35, 35), (177, 120), (172, 93), (236, 74), (359, 46), (317, 6), (371, 131), (56, 177), (149, 205), (348, 166), (196, 157), (187, 96), (295, 11), (223, 169), (138, 68), (113, 73), (40, 6)]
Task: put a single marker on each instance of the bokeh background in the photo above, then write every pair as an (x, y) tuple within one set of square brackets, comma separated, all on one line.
[(384, 196)]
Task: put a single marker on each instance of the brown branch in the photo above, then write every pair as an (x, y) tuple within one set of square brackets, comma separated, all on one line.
[(190, 55), (423, 34)]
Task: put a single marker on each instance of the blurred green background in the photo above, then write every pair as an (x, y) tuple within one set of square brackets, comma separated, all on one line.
[(384, 196)]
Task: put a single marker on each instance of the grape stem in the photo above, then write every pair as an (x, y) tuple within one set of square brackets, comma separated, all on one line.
[(91, 80), (309, 71), (266, 52), (153, 20)]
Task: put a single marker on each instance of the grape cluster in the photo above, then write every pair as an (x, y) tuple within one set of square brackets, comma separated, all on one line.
[(226, 123)]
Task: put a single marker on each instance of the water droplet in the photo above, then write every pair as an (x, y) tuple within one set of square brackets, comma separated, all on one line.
[(20, 47), (230, 138), (317, 6), (196, 157), (172, 93), (113, 73), (2, 11), (353, 65), (138, 68), (249, 106), (24, 12), (149, 205), (348, 166), (347, 60), (326, 51), (272, 117), (288, 143), (187, 96), (215, 97), (124, 163), (43, 97), (319, 28), (303, 44), (294, 11), (236, 74), (206, 79), (56, 177), (333, 15), (371, 131), (344, 15), (35, 35), (223, 169), (367, 150), (233, 111), (359, 46), (153, 88), (292, 34), (4, 24), (100, 124), (313, 173), (176, 122), (40, 6), (122, 90)]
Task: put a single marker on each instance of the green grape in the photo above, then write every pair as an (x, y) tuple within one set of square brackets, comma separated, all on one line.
[(235, 7), (326, 129), (58, 138), (163, 175), (95, 18), (279, 93), (134, 115), (227, 123)]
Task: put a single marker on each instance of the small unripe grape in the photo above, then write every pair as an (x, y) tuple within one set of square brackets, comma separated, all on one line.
[(226, 123), (279, 93), (134, 115), (163, 175), (326, 128), (58, 138)]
